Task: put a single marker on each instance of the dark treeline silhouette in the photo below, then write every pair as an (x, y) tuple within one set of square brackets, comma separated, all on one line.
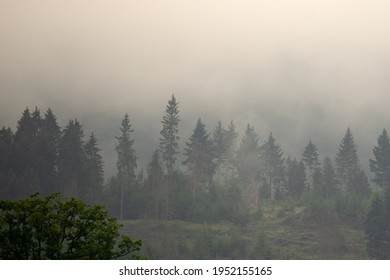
[(222, 176)]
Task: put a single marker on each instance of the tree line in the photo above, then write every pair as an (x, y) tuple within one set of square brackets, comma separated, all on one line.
[(222, 176)]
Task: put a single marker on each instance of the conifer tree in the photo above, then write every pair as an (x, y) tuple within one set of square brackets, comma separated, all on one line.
[(232, 136), (377, 229), (347, 161), (328, 181), (199, 158), (380, 166), (272, 164), (71, 159), (220, 148), (310, 158), (169, 146), (46, 150), (94, 174), (295, 177), (25, 155), (127, 161), (248, 162), (6, 163), (154, 184)]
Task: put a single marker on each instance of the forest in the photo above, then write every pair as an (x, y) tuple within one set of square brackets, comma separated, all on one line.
[(227, 186)]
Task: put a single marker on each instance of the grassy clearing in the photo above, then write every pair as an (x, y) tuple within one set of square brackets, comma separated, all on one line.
[(283, 232)]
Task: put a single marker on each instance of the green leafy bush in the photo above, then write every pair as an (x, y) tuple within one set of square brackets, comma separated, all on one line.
[(58, 228)]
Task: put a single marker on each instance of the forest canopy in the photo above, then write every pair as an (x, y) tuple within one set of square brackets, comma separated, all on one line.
[(217, 175)]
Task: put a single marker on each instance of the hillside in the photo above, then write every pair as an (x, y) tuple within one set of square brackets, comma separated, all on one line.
[(279, 232)]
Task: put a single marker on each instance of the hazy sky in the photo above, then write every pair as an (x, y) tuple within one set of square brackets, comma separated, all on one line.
[(301, 69)]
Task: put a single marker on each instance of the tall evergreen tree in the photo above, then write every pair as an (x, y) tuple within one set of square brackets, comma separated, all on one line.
[(25, 155), (220, 148), (380, 166), (328, 181), (199, 158), (46, 147), (248, 157), (232, 136), (7, 175), (169, 146), (347, 161), (154, 185), (295, 177), (377, 229), (94, 175), (71, 159), (310, 158), (127, 161), (272, 164)]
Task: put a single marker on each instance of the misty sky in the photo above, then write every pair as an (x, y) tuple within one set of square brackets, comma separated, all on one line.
[(301, 69)]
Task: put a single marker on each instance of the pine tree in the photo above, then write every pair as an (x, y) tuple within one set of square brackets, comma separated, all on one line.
[(377, 230), (310, 158), (380, 166), (347, 161), (154, 184), (71, 159), (46, 150), (94, 175), (127, 161), (169, 146), (272, 163), (6, 164), (199, 158), (232, 136), (328, 181), (220, 148), (248, 157), (295, 177), (25, 155)]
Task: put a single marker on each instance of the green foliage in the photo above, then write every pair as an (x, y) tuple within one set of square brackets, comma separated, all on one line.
[(272, 160), (310, 158), (380, 165), (55, 228), (248, 157), (347, 161), (262, 249), (199, 158), (377, 229), (94, 176), (169, 146), (126, 162), (351, 209)]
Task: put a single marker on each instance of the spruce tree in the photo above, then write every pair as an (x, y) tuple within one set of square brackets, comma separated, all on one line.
[(347, 161), (231, 136), (295, 177), (328, 182), (94, 175), (220, 148), (248, 157), (46, 147), (169, 146), (199, 158), (127, 161), (310, 158), (25, 155), (6, 164), (380, 166), (377, 229), (71, 159), (154, 184), (272, 164)]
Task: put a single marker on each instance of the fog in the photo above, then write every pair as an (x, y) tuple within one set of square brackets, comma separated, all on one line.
[(301, 69)]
